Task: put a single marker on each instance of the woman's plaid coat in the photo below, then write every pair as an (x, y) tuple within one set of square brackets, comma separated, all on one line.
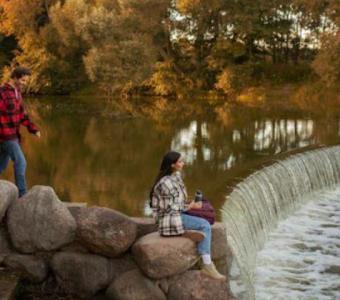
[(168, 200)]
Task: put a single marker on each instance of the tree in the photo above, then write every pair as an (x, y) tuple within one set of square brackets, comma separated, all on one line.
[(327, 62)]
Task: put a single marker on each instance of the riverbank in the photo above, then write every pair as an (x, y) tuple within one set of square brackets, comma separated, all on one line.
[(306, 95)]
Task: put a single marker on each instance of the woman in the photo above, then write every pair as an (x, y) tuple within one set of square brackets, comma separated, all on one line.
[(168, 200)]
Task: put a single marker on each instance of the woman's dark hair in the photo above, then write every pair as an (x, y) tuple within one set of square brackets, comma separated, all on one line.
[(19, 72), (166, 169)]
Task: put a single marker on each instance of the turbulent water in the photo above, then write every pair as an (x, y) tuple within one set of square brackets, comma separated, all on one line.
[(255, 207), (301, 259)]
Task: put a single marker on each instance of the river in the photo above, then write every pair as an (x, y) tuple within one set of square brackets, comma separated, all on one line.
[(92, 152)]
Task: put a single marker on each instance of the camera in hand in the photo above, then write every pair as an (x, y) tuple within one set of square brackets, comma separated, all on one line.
[(198, 196)]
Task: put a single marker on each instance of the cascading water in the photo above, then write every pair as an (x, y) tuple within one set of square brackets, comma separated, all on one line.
[(301, 259), (255, 206)]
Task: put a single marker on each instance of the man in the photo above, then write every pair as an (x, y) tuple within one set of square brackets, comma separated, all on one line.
[(12, 115)]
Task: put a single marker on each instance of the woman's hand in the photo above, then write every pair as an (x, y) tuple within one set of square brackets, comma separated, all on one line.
[(195, 205)]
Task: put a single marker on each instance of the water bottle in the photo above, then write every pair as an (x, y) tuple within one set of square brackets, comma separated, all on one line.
[(198, 196)]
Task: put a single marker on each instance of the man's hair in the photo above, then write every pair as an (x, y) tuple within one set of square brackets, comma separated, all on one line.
[(19, 72)]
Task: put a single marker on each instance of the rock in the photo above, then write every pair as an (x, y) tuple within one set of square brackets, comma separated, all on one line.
[(75, 246), (5, 245), (2, 258), (163, 284), (8, 284), (134, 285), (8, 193), (219, 244), (85, 274), (81, 274), (30, 267), (160, 257), (106, 231), (39, 221), (222, 265), (145, 226), (75, 208), (193, 285), (119, 266)]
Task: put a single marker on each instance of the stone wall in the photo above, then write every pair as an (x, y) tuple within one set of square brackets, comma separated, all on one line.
[(90, 250)]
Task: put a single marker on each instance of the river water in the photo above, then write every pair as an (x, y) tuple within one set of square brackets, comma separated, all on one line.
[(91, 152), (301, 259)]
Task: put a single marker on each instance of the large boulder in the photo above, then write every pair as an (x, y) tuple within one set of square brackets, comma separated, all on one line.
[(75, 208), (81, 274), (30, 267), (118, 266), (145, 226), (39, 221), (220, 249), (8, 193), (160, 257), (194, 285), (2, 258), (134, 285), (75, 246), (222, 265), (9, 283), (5, 245), (85, 274), (105, 231), (219, 244)]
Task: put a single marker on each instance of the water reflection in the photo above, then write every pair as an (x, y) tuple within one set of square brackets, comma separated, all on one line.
[(89, 156), (185, 142), (292, 133)]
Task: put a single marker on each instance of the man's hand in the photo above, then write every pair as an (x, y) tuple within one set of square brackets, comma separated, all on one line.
[(38, 134)]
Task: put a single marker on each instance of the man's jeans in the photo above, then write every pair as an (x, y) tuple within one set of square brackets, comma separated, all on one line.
[(196, 223), (12, 150)]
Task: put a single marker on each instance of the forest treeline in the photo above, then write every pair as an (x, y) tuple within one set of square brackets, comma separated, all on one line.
[(169, 47)]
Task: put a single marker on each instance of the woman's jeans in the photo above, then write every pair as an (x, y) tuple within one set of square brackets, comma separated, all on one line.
[(12, 150), (196, 223)]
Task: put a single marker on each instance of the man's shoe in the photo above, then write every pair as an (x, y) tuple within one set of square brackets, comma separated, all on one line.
[(194, 235), (212, 272)]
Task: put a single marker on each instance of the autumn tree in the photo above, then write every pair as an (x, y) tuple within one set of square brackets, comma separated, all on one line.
[(327, 62), (67, 43), (170, 47), (23, 21)]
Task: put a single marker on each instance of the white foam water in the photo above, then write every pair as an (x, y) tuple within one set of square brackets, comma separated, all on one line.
[(261, 201), (301, 258)]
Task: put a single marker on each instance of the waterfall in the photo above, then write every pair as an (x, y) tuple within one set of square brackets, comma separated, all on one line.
[(256, 204)]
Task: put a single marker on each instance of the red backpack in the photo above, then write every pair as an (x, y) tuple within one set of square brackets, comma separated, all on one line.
[(207, 212)]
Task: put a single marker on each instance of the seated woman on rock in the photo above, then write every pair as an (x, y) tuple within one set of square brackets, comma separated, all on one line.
[(168, 200)]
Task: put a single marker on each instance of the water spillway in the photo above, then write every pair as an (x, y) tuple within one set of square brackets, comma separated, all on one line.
[(301, 259), (258, 203)]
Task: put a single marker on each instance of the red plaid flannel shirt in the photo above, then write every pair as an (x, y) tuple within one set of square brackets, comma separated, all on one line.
[(12, 114)]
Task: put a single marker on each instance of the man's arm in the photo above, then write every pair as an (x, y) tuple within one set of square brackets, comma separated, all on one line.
[(26, 121)]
